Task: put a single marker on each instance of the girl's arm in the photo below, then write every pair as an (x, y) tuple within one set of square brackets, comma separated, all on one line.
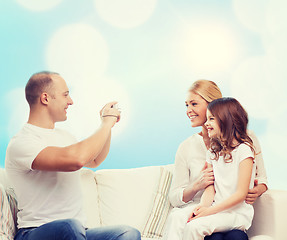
[(208, 194), (206, 199), (244, 177)]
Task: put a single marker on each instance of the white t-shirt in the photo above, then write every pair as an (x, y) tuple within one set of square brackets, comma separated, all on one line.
[(190, 159), (226, 178), (43, 196)]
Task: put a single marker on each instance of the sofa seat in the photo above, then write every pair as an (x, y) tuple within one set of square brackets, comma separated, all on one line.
[(138, 197)]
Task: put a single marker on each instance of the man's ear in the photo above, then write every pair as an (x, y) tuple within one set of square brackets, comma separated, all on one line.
[(44, 98)]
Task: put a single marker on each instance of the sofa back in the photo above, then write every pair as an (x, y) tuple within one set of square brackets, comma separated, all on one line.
[(136, 197)]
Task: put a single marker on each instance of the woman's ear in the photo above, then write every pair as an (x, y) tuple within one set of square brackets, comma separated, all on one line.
[(44, 98)]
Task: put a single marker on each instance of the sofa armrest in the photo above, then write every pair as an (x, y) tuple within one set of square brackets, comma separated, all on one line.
[(269, 215)]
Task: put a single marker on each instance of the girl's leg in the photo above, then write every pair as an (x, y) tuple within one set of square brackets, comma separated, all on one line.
[(113, 233), (215, 236), (68, 229), (235, 234), (198, 228)]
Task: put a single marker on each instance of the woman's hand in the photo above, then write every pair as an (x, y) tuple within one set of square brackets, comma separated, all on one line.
[(255, 192), (205, 178)]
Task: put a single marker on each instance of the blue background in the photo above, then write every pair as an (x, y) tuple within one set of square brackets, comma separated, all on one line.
[(145, 54)]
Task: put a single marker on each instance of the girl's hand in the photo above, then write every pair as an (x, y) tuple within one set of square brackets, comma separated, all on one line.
[(197, 212), (205, 178)]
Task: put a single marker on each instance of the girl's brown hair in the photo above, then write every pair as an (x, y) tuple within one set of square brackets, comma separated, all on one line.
[(232, 120)]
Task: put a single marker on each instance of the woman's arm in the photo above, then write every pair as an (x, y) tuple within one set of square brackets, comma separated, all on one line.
[(205, 179), (180, 178), (260, 184), (184, 186), (244, 177)]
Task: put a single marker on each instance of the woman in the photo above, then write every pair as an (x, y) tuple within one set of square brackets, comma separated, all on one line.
[(191, 175)]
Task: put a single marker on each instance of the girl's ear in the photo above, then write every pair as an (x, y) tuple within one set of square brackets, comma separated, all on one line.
[(44, 98)]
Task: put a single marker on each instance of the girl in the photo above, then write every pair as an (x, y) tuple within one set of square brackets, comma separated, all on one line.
[(231, 155)]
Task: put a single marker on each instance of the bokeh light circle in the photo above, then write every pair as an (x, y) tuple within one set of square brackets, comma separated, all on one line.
[(77, 51), (252, 14), (38, 5), (125, 13), (18, 110), (204, 48), (89, 97), (256, 84)]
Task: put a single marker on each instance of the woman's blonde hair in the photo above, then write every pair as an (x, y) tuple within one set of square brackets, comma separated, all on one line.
[(208, 90)]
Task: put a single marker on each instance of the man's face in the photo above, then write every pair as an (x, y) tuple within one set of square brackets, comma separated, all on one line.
[(59, 99)]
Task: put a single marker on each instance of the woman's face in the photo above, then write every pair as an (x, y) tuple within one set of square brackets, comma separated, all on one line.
[(196, 109)]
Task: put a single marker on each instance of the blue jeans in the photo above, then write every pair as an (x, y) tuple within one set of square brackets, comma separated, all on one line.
[(230, 235), (70, 229)]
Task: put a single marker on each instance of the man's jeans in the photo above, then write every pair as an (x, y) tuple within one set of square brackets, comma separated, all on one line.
[(71, 229)]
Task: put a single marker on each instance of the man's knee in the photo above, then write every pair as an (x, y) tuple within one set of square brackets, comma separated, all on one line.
[(71, 229), (129, 233)]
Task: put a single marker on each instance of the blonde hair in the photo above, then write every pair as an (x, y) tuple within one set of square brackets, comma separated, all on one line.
[(208, 90)]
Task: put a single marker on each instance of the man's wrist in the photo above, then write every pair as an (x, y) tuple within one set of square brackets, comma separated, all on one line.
[(110, 116)]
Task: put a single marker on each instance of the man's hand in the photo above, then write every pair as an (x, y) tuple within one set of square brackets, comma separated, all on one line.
[(110, 114), (255, 192)]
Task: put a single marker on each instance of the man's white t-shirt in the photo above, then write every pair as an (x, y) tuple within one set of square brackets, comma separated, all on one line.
[(43, 196)]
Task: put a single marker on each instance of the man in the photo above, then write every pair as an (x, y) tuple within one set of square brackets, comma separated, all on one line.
[(43, 162)]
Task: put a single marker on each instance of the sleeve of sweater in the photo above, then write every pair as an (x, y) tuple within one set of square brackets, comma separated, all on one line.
[(180, 179), (260, 169)]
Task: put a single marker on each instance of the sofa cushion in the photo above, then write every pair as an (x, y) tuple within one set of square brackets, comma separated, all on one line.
[(91, 205), (126, 196), (8, 213), (160, 207)]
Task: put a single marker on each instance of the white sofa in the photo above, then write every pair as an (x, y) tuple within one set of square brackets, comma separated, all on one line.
[(138, 197)]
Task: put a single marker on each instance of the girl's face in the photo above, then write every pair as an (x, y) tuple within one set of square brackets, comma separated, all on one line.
[(212, 125), (196, 109)]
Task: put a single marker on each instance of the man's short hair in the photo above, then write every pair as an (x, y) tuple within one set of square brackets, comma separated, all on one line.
[(38, 83)]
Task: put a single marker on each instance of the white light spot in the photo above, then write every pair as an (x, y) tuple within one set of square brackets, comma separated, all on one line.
[(19, 110), (206, 48), (125, 13), (39, 5), (276, 18), (89, 97), (77, 52), (259, 86), (252, 14)]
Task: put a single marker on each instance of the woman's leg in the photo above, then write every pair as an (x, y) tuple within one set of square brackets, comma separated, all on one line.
[(176, 222), (113, 233), (68, 229), (235, 234)]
